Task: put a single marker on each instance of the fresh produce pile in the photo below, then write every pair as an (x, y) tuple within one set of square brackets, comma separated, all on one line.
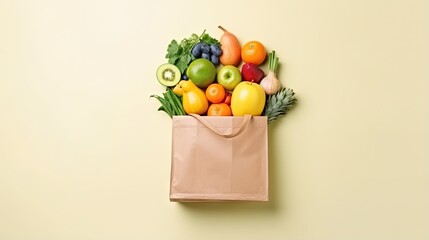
[(203, 76)]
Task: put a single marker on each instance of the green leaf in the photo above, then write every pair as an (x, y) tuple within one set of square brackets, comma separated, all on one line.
[(183, 63), (209, 40), (172, 49), (186, 58), (173, 60)]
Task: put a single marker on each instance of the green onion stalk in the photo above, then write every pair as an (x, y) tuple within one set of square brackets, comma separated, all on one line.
[(270, 82)]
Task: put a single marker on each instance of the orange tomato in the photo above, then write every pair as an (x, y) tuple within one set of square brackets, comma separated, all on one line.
[(215, 93), (219, 109), (253, 52)]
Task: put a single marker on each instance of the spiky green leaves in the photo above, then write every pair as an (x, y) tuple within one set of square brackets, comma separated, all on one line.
[(279, 104)]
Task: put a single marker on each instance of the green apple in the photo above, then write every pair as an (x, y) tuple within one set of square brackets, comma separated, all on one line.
[(229, 76), (248, 98)]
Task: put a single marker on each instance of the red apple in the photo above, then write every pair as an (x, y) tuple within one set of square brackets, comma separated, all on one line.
[(251, 72)]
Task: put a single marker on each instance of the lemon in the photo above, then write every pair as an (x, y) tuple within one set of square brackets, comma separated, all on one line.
[(201, 72)]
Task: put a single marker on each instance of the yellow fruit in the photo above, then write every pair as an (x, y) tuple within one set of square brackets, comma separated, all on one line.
[(194, 99), (178, 88), (248, 98)]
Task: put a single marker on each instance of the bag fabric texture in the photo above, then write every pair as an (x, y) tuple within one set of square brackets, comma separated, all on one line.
[(219, 158)]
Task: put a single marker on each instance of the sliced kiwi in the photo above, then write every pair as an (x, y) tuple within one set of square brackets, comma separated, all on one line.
[(168, 74)]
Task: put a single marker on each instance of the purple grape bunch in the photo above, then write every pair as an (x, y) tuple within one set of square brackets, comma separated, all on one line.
[(209, 52)]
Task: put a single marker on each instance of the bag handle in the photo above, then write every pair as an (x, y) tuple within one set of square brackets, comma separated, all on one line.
[(242, 127)]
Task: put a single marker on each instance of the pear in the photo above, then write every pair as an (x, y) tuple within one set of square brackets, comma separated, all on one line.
[(231, 49)]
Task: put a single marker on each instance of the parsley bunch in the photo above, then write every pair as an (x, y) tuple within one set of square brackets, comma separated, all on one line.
[(180, 55)]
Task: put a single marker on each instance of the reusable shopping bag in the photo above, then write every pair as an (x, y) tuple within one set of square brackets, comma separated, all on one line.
[(219, 158)]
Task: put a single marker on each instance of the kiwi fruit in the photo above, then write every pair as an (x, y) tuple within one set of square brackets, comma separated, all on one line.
[(168, 74)]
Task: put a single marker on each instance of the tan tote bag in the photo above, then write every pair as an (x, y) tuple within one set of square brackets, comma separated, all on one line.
[(219, 158)]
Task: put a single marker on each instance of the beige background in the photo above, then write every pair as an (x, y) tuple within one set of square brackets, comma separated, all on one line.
[(85, 155)]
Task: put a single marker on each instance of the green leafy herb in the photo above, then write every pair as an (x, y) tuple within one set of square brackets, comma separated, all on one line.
[(171, 103), (180, 55), (279, 104)]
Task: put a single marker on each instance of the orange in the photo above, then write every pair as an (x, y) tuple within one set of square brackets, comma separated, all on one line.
[(215, 93), (253, 52), (219, 109)]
